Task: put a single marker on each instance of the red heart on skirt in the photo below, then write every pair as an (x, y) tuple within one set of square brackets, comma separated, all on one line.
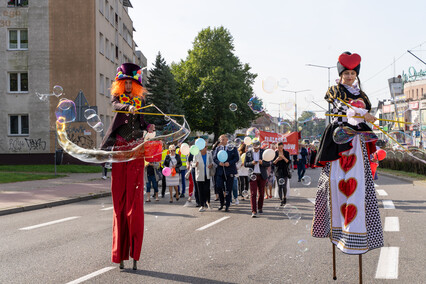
[(350, 61), (347, 162), (348, 187), (348, 211)]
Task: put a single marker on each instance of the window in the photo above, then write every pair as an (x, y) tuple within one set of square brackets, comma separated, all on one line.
[(101, 43), (18, 124), (18, 39), (116, 52), (112, 52), (101, 84), (17, 3), (107, 86), (111, 15), (107, 46), (18, 82), (107, 10), (101, 6)]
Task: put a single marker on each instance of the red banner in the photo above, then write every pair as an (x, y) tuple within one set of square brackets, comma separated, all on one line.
[(290, 140)]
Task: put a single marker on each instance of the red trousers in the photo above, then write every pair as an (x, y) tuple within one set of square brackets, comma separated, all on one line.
[(127, 196), (191, 185), (255, 185)]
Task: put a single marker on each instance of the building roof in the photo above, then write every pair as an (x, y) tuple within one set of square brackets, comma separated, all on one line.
[(127, 3)]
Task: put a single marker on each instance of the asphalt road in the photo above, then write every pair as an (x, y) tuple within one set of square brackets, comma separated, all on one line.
[(239, 249)]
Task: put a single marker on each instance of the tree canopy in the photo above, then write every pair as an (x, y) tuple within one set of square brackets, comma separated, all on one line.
[(210, 79)]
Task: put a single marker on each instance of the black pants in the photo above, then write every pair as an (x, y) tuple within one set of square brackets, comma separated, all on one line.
[(204, 192), (243, 184), (282, 189), (104, 171), (225, 183), (163, 186)]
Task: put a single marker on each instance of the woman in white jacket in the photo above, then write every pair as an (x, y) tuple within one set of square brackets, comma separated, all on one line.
[(203, 167)]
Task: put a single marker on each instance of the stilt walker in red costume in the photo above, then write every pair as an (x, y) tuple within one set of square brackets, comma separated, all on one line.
[(346, 209), (127, 184)]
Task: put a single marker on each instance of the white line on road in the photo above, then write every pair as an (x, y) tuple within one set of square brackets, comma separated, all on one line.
[(107, 208), (387, 268), (391, 224), (388, 204), (213, 223), (381, 192), (49, 223), (312, 200), (91, 275)]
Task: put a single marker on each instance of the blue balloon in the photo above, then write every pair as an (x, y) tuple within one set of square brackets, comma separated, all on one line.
[(222, 156), (200, 143)]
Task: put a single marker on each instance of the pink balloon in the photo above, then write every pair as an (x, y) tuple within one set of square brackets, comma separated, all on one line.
[(167, 172)]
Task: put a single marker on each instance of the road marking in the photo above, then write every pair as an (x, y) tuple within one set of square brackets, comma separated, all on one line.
[(49, 223), (213, 223), (312, 200), (387, 268), (381, 192), (91, 275), (388, 204), (107, 208), (391, 224)]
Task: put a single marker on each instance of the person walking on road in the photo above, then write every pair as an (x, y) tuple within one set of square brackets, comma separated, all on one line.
[(127, 178), (282, 163), (254, 161), (203, 172), (174, 162)]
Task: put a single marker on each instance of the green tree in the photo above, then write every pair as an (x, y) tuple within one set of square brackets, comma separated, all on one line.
[(162, 90), (210, 79), (311, 125)]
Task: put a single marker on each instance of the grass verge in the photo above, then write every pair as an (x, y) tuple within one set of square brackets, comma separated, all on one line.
[(51, 168), (413, 176), (6, 177)]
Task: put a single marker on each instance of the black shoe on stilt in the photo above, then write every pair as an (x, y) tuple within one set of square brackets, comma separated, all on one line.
[(122, 264), (135, 264)]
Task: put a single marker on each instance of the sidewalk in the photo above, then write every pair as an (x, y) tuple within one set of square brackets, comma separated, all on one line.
[(31, 195)]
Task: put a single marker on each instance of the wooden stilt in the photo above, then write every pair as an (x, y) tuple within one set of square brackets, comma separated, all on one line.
[(334, 262), (360, 269)]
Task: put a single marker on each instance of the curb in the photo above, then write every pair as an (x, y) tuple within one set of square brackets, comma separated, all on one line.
[(53, 203), (413, 181)]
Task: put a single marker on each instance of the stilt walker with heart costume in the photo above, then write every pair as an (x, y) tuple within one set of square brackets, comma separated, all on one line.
[(346, 209)]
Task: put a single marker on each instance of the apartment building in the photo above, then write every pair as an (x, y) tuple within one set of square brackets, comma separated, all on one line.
[(76, 44)]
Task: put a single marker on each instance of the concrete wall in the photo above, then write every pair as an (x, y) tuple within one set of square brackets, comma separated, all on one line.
[(35, 60)]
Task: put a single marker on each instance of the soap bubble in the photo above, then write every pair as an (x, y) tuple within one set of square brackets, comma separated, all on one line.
[(253, 132), (345, 134), (57, 90), (93, 120), (253, 177), (245, 193), (65, 111), (255, 104), (250, 171), (233, 107), (99, 127), (230, 146), (89, 112), (237, 141), (269, 85), (302, 245), (281, 181), (283, 83), (306, 180)]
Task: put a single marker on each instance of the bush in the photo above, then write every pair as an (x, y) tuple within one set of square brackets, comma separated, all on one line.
[(400, 161)]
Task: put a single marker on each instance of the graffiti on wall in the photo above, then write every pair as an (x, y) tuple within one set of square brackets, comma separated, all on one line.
[(26, 144)]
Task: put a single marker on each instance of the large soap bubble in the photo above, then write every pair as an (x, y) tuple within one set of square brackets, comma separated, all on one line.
[(253, 132), (65, 111), (269, 85), (256, 105)]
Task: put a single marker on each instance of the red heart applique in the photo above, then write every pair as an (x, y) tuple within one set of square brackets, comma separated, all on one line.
[(350, 61), (348, 187), (348, 211), (347, 162), (359, 103)]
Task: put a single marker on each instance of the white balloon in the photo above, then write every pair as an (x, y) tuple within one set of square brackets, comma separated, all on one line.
[(247, 140), (184, 149), (268, 155)]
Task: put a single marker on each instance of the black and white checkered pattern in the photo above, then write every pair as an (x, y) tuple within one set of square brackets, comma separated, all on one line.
[(339, 108), (322, 220)]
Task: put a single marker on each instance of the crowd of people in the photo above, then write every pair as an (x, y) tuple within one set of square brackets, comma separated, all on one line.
[(245, 175)]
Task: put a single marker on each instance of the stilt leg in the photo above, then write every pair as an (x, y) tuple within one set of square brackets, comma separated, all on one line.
[(360, 269), (334, 262)]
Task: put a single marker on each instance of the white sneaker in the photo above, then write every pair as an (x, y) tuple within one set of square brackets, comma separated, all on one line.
[(201, 209), (104, 177), (237, 201), (253, 215)]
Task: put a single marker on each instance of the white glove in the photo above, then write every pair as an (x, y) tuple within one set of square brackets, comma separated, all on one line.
[(354, 111)]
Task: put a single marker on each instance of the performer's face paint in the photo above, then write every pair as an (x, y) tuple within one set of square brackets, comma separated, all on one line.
[(128, 86), (348, 77)]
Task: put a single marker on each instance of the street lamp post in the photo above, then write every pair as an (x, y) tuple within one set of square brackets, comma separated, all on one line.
[(295, 104), (327, 67)]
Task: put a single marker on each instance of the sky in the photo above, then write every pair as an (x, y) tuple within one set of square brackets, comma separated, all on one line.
[(278, 38)]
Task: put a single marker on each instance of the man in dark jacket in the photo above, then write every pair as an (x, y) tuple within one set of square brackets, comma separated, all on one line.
[(257, 178), (301, 161), (225, 171)]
